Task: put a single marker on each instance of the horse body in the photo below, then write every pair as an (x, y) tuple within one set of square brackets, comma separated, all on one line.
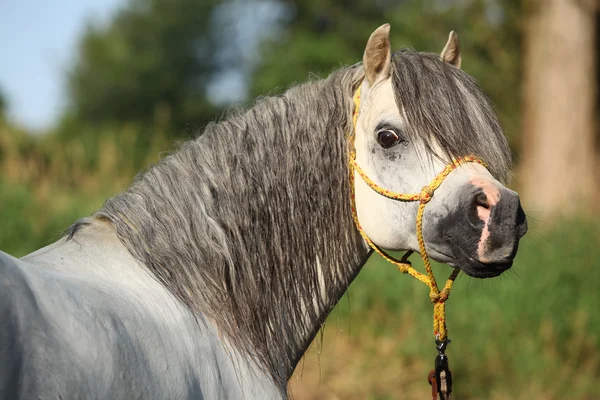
[(83, 319)]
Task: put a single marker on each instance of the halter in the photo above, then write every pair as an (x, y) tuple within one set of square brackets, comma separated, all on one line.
[(438, 297)]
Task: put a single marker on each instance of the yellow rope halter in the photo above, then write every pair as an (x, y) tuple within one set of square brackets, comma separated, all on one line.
[(438, 297)]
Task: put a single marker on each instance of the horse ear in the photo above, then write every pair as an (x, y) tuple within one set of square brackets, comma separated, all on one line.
[(451, 52), (376, 60)]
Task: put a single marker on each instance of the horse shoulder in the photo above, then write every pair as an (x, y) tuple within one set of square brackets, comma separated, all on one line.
[(94, 319), (27, 339)]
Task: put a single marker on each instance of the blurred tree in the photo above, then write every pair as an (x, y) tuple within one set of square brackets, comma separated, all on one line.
[(151, 64), (558, 168), (319, 36), (2, 104)]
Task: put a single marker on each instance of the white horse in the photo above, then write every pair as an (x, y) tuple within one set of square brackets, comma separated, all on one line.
[(209, 277)]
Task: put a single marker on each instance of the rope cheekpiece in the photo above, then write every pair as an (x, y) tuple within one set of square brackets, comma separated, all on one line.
[(438, 297)]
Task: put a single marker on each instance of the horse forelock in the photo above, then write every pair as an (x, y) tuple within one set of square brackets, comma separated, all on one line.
[(443, 104), (250, 223)]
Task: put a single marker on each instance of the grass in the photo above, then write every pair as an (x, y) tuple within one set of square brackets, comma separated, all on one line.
[(31, 219), (47, 182), (533, 333)]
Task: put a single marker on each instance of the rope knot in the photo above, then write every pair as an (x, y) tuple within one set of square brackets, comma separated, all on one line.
[(426, 194), (404, 266), (439, 297)]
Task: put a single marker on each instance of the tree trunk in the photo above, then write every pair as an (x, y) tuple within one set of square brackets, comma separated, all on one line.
[(558, 157)]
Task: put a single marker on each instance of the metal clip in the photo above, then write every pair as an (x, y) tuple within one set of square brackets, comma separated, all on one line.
[(441, 377)]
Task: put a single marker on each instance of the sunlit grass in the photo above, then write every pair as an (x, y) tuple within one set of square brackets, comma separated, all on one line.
[(532, 333), (48, 182)]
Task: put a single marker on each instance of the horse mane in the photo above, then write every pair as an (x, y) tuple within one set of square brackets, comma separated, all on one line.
[(250, 223)]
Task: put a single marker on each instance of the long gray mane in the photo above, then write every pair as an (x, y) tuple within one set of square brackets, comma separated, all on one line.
[(250, 223)]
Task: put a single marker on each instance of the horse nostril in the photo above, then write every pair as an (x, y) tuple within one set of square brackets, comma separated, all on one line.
[(480, 207), (481, 200)]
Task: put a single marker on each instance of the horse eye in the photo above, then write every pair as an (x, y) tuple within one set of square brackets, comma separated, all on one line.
[(387, 138)]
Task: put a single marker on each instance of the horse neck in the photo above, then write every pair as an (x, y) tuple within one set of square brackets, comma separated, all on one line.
[(251, 224)]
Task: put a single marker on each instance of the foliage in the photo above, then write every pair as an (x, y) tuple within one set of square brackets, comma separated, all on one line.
[(46, 183), (322, 35), (2, 104), (150, 64)]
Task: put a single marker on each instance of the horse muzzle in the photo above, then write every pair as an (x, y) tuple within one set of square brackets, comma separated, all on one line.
[(483, 233)]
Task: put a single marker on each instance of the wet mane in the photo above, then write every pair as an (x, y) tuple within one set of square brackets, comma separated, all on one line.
[(250, 223)]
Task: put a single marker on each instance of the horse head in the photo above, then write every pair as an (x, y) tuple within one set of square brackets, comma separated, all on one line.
[(417, 114)]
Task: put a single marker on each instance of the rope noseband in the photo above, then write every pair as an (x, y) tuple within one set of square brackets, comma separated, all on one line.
[(438, 297)]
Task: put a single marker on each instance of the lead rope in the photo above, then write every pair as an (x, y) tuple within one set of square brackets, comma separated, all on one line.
[(440, 378)]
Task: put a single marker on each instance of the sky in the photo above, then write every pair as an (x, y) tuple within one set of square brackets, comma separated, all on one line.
[(38, 39)]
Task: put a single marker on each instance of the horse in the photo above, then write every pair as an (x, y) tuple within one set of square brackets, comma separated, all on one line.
[(210, 275)]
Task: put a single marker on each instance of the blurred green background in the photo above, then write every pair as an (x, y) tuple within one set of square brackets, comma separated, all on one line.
[(156, 71)]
